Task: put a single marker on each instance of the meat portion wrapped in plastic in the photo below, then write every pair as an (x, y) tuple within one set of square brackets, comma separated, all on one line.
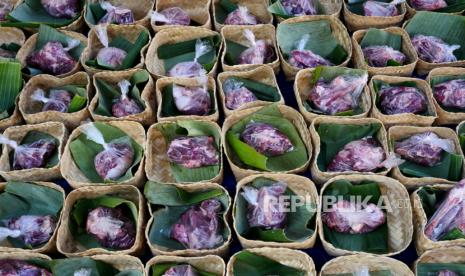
[(5, 9), (6, 53), (424, 148), (433, 49), (364, 155), (428, 5), (181, 270), (110, 57), (236, 94), (447, 273), (259, 52), (299, 7), (449, 215), (451, 93), (377, 8), (191, 69), (9, 267), (117, 155), (116, 15), (193, 152), (378, 56), (266, 139), (193, 100), (339, 95), (264, 209), (125, 106), (53, 58), (171, 16), (349, 217), (111, 227), (58, 100), (241, 16), (32, 230), (302, 58), (402, 99), (62, 8), (199, 227)]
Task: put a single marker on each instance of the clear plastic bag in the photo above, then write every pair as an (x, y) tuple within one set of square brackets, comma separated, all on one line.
[(236, 94), (171, 16), (451, 93), (58, 100), (377, 8), (433, 49), (110, 57), (61, 8), (193, 152), (116, 15), (125, 106), (241, 16), (266, 139), (402, 99), (302, 58), (33, 230), (191, 69), (300, 7), (428, 5), (181, 270), (53, 58), (193, 100), (379, 56), (10, 267), (259, 52)]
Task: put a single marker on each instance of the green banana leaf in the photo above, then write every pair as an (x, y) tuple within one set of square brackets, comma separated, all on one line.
[(12, 47), (94, 13), (133, 51), (427, 269), (33, 136), (168, 107), (247, 157), (28, 199), (300, 224), (333, 137), (160, 269), (356, 6), (250, 264), (321, 41), (83, 152), (10, 86), (461, 134), (276, 8), (82, 207), (79, 99), (172, 54), (68, 267), (262, 91), (373, 242), (169, 203), (449, 28), (109, 94), (223, 8), (440, 79), (31, 14), (234, 51), (191, 128), (371, 273), (328, 73)]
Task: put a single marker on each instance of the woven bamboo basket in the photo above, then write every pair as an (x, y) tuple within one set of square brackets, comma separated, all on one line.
[(288, 257), (449, 255), (302, 187), (50, 246), (77, 179), (141, 10), (256, 7), (29, 47), (13, 120), (209, 263), (402, 132), (68, 246), (174, 35), (17, 133), (263, 74), (158, 167), (12, 35), (405, 118), (236, 34), (130, 32), (162, 83), (353, 263), (332, 8), (221, 250), (120, 262), (288, 113), (32, 110), (303, 88), (405, 70), (356, 22), (146, 117), (339, 31), (198, 11), (398, 219), (320, 177), (445, 117), (24, 256)]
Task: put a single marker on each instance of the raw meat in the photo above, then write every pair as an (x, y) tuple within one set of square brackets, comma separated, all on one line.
[(302, 58), (58, 100), (378, 56), (125, 106), (402, 99), (32, 230), (377, 8), (110, 57), (433, 49), (259, 52), (61, 8), (171, 16), (181, 270), (53, 58), (428, 5), (10, 267), (191, 69), (451, 93), (193, 100), (193, 152), (266, 139), (236, 94), (116, 15), (299, 7), (241, 16)]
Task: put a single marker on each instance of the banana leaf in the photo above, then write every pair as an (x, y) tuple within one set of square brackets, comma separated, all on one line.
[(356, 6), (427, 269), (31, 14), (263, 92), (88, 266), (449, 28), (250, 264), (79, 99), (168, 106), (435, 80), (12, 47), (94, 13), (328, 73), (10, 86), (133, 51), (461, 134), (82, 207), (333, 137), (371, 273), (191, 128), (83, 152), (109, 94), (373, 242), (160, 269), (223, 8), (300, 224), (169, 203), (321, 41), (33, 136), (233, 52), (174, 53), (247, 157), (277, 8)]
